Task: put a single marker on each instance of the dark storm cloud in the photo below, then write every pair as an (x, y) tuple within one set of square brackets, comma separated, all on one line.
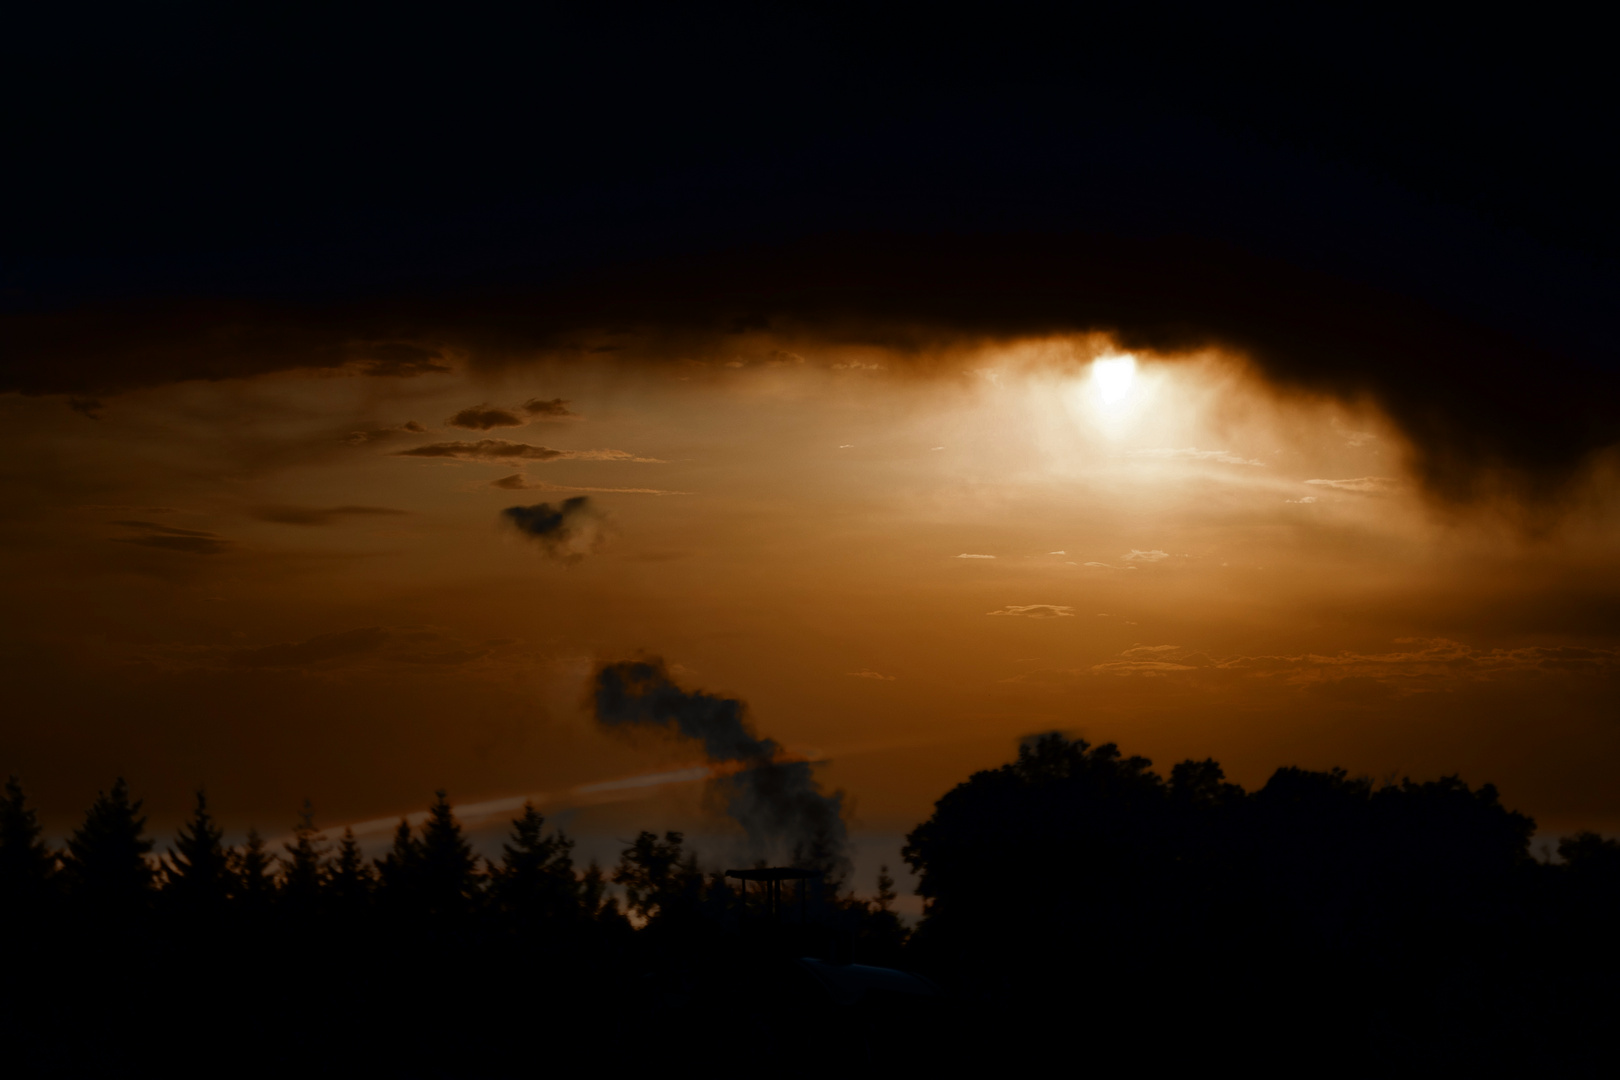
[(1431, 229), (320, 515), (100, 349), (776, 799), (482, 418), (167, 538), (1463, 391), (568, 531)]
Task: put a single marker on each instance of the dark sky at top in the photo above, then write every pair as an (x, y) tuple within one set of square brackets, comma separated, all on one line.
[(1426, 200)]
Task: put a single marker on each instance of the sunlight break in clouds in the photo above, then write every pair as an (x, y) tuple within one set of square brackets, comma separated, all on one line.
[(1112, 378)]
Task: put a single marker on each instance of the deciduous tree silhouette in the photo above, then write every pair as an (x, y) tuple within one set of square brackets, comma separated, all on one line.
[(595, 900), (1591, 857), (658, 876)]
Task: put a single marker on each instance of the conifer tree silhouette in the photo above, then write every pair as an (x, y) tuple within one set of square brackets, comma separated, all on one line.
[(106, 859), (398, 871), (255, 873), (535, 880), (197, 872), (27, 866), (351, 879), (449, 872), (306, 871)]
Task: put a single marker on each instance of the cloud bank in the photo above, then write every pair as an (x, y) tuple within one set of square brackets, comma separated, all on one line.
[(1454, 385)]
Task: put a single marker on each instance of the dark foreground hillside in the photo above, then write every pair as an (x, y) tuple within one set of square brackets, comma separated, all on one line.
[(1084, 913)]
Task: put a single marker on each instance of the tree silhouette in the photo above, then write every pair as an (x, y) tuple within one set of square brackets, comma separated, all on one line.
[(27, 866), (1590, 856), (536, 878), (105, 863), (594, 899), (197, 874), (352, 880), (399, 871), (1084, 827), (1401, 924), (448, 873), (255, 874), (306, 871), (658, 876)]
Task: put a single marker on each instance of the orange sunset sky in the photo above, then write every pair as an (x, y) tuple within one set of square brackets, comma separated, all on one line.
[(1215, 384), (300, 584)]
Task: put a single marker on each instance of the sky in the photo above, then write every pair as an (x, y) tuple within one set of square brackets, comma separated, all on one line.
[(921, 406)]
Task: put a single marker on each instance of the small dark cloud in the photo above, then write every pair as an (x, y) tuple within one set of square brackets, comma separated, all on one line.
[(483, 450), (316, 650), (483, 417), (86, 406), (519, 482), (168, 538), (504, 450), (548, 407), (568, 531), (371, 435), (319, 515)]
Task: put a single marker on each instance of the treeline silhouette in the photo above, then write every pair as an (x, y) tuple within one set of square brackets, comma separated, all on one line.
[(1079, 908)]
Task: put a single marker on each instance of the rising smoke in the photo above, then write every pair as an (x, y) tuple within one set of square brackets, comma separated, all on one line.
[(775, 798)]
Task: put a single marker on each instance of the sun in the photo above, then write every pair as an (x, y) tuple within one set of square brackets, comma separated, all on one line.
[(1112, 378)]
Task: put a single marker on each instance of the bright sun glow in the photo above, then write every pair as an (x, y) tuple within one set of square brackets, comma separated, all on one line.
[(1112, 377)]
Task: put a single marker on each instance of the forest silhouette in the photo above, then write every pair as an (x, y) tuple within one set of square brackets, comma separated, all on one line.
[(1079, 908)]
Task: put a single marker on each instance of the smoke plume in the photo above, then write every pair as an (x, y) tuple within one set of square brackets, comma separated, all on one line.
[(775, 798)]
